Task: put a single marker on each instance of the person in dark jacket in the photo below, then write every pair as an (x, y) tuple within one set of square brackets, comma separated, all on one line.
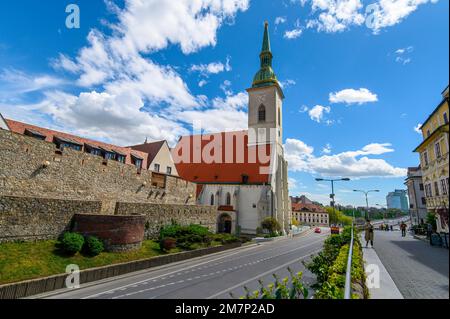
[(368, 233)]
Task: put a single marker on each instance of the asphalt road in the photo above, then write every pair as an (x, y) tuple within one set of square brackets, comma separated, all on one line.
[(212, 276)]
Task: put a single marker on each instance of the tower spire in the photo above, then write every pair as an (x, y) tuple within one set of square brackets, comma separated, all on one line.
[(266, 40), (265, 76)]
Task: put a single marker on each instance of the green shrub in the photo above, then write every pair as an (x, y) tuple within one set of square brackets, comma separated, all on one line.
[(226, 238), (271, 224), (186, 236), (93, 246), (287, 288), (72, 243)]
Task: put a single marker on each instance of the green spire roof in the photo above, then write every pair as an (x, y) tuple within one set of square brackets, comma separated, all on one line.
[(265, 76), (266, 41)]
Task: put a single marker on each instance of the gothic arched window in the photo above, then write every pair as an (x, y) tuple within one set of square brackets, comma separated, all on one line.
[(279, 117), (262, 113), (228, 199), (212, 200)]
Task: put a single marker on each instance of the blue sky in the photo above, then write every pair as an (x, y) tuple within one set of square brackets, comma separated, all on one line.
[(354, 94)]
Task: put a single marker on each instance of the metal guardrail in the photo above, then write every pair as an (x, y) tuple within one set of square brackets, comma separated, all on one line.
[(348, 273)]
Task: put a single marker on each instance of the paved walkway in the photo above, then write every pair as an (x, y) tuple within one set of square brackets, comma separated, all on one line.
[(419, 271)]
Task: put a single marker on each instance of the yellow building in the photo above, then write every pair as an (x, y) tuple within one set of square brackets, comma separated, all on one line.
[(434, 153)]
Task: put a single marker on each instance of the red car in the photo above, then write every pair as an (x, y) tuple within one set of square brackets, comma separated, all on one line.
[(317, 230)]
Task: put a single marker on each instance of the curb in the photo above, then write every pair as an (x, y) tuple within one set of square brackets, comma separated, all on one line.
[(46, 284)]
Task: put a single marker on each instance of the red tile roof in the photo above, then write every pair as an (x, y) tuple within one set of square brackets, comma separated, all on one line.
[(222, 172), (19, 127), (300, 207)]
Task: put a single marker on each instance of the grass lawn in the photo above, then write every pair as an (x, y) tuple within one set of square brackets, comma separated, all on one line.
[(29, 260)]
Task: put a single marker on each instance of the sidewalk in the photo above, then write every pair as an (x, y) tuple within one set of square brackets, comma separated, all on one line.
[(387, 288), (412, 266)]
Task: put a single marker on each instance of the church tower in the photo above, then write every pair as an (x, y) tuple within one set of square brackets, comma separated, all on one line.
[(265, 101)]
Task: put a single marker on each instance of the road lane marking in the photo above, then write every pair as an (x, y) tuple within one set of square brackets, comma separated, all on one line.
[(262, 275), (206, 275), (208, 261)]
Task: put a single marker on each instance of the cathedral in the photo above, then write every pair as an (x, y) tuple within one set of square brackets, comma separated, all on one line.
[(243, 173)]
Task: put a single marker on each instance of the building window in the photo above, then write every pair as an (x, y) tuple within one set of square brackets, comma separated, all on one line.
[(262, 113), (444, 187), (436, 188), (428, 190), (212, 200), (428, 133), (228, 199), (120, 158), (445, 118), (156, 167), (437, 149), (424, 201), (169, 170), (421, 186), (425, 158), (109, 156), (279, 117)]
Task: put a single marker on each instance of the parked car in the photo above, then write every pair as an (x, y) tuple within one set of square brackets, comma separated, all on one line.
[(317, 230)]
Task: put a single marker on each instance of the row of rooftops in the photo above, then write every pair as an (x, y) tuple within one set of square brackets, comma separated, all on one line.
[(126, 155)]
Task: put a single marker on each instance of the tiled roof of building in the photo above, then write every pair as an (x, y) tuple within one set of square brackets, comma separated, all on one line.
[(50, 135), (151, 149), (300, 207), (226, 171)]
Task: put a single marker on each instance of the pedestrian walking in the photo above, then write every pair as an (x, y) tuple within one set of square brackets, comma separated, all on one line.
[(368, 233), (403, 228)]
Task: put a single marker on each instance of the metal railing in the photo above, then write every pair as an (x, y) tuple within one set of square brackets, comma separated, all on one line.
[(348, 273)]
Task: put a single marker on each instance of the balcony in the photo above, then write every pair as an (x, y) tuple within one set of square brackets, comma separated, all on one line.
[(437, 202)]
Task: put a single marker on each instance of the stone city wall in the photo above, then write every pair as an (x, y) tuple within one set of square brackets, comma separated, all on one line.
[(28, 218), (76, 175), (158, 215)]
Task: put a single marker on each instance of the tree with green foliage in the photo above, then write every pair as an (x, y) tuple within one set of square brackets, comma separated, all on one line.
[(271, 225)]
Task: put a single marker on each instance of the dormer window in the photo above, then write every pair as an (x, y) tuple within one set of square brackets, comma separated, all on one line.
[(261, 113), (136, 161), (35, 134), (62, 142), (120, 157), (91, 149)]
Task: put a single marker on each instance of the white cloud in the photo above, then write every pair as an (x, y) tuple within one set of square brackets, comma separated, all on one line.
[(335, 15), (14, 82), (386, 13), (304, 109), (202, 83), (417, 128), (326, 149), (287, 83), (211, 68), (125, 91), (353, 164), (280, 20), (317, 112), (352, 96), (402, 55), (226, 114), (293, 34)]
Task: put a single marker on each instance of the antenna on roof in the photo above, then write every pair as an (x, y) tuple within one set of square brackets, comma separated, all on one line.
[(146, 140)]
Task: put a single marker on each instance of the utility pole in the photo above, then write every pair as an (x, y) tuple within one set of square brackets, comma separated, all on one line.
[(332, 189), (367, 200)]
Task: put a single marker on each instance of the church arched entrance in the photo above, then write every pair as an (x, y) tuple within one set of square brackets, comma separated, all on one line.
[(225, 224)]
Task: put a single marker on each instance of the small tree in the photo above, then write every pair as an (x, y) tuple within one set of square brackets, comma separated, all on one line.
[(271, 224)]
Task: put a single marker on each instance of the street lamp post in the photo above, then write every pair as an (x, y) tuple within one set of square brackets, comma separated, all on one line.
[(332, 188), (367, 200)]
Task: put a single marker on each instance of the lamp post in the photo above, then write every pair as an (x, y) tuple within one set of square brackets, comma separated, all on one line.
[(367, 200), (332, 187)]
